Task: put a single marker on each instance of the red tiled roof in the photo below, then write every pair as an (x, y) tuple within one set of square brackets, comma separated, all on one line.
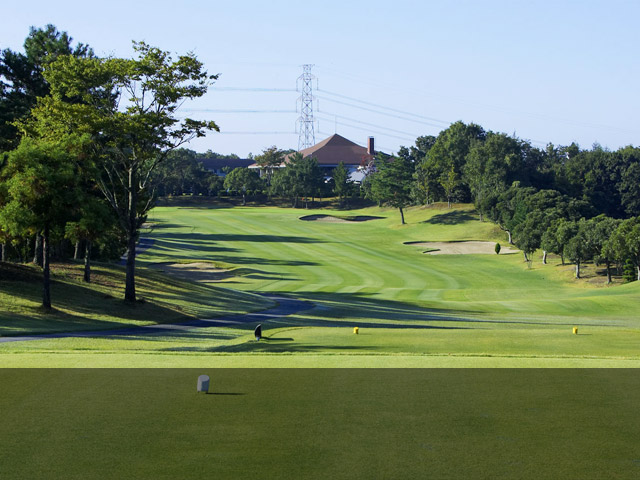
[(336, 149)]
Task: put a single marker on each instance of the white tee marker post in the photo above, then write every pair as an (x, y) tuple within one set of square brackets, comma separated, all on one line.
[(203, 384)]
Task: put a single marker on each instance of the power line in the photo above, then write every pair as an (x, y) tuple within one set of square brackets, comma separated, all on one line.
[(459, 100), (386, 108), (370, 124), (250, 89), (214, 110), (421, 122), (226, 132), (405, 138)]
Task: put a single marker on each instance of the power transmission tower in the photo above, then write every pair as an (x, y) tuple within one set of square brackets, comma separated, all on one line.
[(306, 133)]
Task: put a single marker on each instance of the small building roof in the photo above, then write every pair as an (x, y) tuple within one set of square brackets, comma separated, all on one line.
[(218, 163), (336, 149)]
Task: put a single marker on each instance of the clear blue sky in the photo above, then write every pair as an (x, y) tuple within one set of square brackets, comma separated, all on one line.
[(550, 71)]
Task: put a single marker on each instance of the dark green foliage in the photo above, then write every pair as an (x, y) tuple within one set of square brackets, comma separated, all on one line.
[(301, 177), (391, 183), (497, 249), (624, 243), (449, 153), (21, 76), (242, 181), (42, 188), (131, 133), (269, 161), (182, 173), (629, 271), (578, 249), (342, 184)]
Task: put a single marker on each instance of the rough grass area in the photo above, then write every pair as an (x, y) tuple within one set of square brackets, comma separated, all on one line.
[(319, 423), (99, 304)]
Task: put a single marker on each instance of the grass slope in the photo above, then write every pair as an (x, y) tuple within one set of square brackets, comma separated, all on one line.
[(413, 309), (79, 306)]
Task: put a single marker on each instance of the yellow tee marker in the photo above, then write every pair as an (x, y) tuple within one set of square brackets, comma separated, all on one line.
[(356, 330), (575, 330)]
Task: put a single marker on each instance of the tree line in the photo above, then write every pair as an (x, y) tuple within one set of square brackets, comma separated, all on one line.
[(581, 204), (81, 142)]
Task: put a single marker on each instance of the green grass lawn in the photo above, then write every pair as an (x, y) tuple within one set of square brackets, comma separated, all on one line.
[(319, 423), (79, 306), (413, 309)]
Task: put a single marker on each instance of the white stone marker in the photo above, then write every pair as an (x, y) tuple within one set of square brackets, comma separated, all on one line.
[(203, 383)]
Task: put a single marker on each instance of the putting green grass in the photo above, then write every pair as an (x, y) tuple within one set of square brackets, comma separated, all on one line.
[(319, 423), (413, 309)]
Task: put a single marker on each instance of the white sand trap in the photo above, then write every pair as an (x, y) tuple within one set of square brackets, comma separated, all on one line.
[(198, 271), (323, 218), (462, 248)]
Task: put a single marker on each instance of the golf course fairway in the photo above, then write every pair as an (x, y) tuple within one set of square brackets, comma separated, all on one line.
[(361, 269)]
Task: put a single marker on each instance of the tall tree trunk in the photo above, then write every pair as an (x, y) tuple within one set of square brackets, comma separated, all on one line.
[(76, 252), (3, 247), (578, 269), (526, 258), (130, 281), (46, 284), (37, 251), (638, 270), (401, 215), (562, 258), (244, 199), (544, 257), (510, 239), (608, 272), (87, 261)]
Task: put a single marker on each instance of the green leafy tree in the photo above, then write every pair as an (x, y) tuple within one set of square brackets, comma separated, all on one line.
[(598, 234), (129, 108), (449, 152), (241, 181), (558, 235), (42, 190), (342, 184), (21, 78), (450, 182), (269, 161), (391, 184), (624, 243), (310, 177), (95, 220), (578, 249), (425, 183)]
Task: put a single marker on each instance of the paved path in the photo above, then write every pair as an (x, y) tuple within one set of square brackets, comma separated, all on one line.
[(286, 306), (143, 245)]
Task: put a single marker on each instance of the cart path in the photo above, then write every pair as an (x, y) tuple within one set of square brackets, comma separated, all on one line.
[(286, 306)]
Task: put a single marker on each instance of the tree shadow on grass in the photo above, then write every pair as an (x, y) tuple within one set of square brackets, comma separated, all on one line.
[(72, 311), (236, 237), (450, 218)]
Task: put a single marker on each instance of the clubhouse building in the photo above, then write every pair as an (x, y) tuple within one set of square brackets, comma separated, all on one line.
[(335, 149)]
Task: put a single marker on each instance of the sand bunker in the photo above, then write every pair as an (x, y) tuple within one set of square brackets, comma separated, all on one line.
[(199, 271), (332, 219), (462, 248)]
